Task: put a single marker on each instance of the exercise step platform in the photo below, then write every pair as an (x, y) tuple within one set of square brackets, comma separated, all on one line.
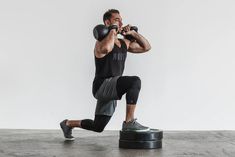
[(151, 139)]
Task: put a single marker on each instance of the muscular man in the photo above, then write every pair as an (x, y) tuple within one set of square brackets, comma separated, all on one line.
[(109, 85)]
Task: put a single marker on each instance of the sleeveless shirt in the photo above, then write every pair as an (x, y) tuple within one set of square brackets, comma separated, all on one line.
[(111, 65)]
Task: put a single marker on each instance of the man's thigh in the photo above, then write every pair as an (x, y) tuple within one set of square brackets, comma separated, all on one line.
[(108, 90)]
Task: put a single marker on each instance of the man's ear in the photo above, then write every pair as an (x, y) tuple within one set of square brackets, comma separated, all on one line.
[(107, 22)]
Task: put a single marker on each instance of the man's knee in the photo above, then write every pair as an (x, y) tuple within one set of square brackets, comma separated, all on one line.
[(99, 129), (136, 83), (100, 122)]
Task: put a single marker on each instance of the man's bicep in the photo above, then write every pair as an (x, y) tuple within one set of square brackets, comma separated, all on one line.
[(98, 51), (97, 47)]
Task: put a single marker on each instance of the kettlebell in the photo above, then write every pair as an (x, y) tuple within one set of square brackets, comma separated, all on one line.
[(101, 31)]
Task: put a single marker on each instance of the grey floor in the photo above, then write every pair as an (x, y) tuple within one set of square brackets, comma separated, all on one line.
[(50, 143)]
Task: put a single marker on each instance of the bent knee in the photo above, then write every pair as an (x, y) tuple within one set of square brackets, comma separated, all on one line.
[(98, 129), (136, 82)]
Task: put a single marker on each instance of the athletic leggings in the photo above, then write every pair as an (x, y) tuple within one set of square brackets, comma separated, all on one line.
[(130, 85), (97, 125)]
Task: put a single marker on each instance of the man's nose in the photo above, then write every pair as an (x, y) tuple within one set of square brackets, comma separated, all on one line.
[(120, 23)]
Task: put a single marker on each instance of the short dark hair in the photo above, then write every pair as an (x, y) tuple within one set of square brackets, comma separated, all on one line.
[(108, 14)]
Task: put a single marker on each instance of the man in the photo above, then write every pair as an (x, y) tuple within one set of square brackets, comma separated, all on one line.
[(109, 85)]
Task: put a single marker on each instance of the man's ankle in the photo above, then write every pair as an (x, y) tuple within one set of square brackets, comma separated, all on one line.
[(67, 123), (128, 120)]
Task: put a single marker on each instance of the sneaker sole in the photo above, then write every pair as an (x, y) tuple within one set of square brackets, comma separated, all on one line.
[(145, 130), (69, 139)]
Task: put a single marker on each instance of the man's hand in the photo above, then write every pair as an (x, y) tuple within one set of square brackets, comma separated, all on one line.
[(119, 29), (126, 30)]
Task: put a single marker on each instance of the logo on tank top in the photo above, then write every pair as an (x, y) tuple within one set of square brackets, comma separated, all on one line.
[(119, 56)]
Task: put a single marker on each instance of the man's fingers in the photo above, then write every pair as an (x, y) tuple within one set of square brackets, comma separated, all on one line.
[(126, 28)]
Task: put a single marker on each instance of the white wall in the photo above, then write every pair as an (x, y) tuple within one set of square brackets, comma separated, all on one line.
[(47, 64)]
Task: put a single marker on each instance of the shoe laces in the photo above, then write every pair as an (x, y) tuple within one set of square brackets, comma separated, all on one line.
[(134, 121)]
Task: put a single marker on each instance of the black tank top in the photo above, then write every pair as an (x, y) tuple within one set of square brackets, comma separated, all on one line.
[(110, 65)]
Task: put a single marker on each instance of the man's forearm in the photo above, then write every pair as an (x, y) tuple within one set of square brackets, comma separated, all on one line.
[(108, 42), (141, 40)]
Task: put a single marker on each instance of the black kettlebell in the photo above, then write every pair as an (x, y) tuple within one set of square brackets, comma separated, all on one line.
[(101, 31)]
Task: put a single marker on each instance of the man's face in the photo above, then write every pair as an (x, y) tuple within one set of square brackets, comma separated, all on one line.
[(116, 19)]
